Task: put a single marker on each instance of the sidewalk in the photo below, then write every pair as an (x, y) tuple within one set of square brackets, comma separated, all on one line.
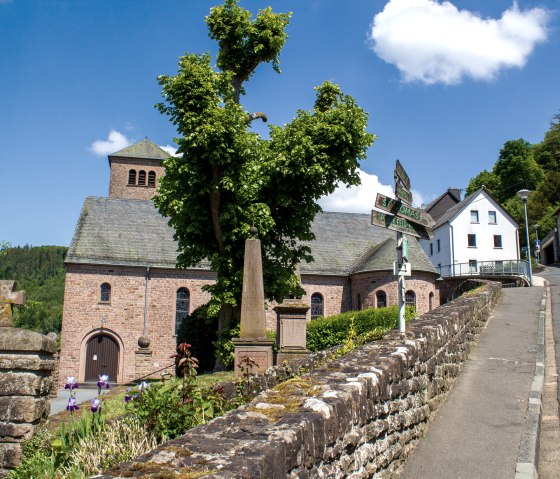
[(82, 394), (479, 431)]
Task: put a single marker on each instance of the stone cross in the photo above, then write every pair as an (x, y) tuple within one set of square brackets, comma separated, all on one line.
[(8, 297)]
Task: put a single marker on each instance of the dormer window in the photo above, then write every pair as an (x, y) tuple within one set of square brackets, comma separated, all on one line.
[(152, 179), (141, 178), (131, 177)]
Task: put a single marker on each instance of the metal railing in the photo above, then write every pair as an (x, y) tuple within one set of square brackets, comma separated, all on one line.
[(485, 268)]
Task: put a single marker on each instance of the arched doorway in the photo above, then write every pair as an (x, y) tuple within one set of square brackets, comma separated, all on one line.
[(102, 357)]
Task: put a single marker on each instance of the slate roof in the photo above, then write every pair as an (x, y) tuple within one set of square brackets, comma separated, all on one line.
[(453, 211), (144, 149), (114, 231)]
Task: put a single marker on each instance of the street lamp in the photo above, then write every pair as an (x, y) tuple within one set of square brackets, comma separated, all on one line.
[(523, 194)]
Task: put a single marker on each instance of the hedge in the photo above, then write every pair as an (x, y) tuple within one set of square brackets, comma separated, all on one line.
[(369, 324)]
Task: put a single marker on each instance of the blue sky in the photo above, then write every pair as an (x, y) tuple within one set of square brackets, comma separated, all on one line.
[(445, 84)]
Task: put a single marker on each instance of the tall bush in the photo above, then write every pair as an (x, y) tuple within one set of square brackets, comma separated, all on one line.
[(369, 324)]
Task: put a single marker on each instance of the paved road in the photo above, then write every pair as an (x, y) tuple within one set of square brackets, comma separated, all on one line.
[(477, 432)]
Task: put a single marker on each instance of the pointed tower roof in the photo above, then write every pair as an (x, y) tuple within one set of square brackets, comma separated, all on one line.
[(144, 149)]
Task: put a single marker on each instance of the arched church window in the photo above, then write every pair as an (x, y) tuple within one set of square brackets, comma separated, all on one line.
[(181, 307), (132, 177), (105, 293), (152, 179), (431, 301), (410, 298), (141, 178), (381, 299), (317, 306)]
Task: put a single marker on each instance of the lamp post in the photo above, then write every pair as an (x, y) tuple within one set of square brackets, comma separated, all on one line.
[(523, 194)]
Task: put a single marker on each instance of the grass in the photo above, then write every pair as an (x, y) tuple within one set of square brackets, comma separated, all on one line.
[(114, 405)]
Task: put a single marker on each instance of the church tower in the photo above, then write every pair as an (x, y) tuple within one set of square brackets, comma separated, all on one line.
[(136, 171)]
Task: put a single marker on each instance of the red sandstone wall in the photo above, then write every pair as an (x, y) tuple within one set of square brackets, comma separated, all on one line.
[(123, 317), (118, 183), (84, 315), (368, 284)]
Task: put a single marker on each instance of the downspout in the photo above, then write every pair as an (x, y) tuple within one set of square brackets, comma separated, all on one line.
[(517, 244), (146, 301), (350, 292)]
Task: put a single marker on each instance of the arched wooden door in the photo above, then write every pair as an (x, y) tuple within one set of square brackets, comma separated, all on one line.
[(102, 357)]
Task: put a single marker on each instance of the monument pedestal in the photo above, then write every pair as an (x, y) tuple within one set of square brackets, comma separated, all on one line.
[(291, 330), (252, 355)]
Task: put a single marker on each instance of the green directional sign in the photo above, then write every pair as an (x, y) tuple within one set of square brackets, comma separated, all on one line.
[(402, 210), (402, 175), (402, 193), (399, 224)]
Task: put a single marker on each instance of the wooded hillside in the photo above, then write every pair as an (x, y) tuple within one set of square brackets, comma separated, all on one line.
[(38, 270), (535, 167)]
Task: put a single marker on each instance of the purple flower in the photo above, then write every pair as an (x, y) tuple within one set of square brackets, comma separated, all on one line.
[(103, 381), (143, 385), (71, 383), (95, 404), (72, 406)]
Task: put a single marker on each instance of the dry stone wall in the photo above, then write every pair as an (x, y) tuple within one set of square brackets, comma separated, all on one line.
[(356, 416), (26, 362)]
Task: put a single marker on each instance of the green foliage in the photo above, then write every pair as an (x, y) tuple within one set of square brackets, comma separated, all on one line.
[(547, 153), (228, 178), (167, 410), (224, 348), (487, 179), (95, 453), (521, 165), (200, 331), (516, 168), (365, 325), (70, 434), (39, 271)]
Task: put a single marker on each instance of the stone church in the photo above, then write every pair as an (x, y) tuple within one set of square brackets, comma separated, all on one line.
[(124, 297)]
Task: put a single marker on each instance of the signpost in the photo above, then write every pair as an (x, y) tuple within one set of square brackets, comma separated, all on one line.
[(398, 215), (403, 210)]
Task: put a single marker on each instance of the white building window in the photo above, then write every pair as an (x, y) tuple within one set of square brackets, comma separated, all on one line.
[(438, 246), (471, 241), (472, 266), (497, 241), (431, 249), (492, 218), (474, 216)]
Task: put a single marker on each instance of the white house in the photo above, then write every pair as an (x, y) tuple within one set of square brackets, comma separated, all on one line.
[(474, 235)]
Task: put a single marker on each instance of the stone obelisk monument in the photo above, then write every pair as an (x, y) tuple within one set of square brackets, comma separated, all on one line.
[(253, 351)]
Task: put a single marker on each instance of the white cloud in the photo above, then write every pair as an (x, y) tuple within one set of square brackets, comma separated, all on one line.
[(170, 149), (434, 42), (116, 141), (356, 199)]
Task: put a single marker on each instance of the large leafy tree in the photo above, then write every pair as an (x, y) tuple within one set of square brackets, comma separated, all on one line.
[(489, 180), (516, 168), (547, 153), (226, 178)]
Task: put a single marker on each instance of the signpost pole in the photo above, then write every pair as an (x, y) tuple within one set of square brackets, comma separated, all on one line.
[(401, 285)]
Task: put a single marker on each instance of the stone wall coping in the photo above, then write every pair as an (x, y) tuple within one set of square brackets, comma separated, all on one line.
[(16, 339)]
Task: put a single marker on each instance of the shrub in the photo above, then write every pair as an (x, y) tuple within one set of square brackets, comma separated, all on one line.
[(369, 324), (175, 405)]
